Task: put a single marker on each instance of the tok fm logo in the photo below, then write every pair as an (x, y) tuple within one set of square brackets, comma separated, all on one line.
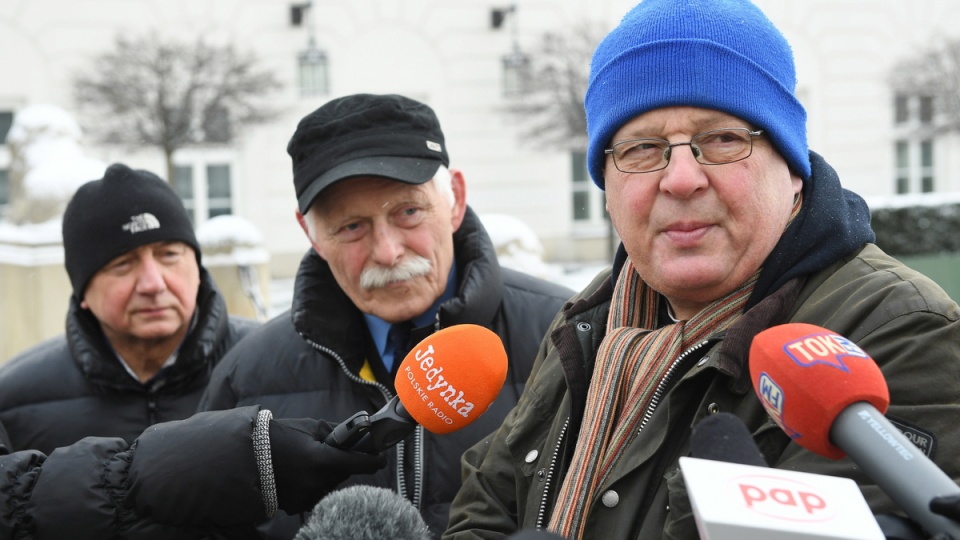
[(825, 348), (771, 396)]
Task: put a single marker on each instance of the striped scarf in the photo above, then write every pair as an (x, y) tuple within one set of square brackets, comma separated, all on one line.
[(631, 362)]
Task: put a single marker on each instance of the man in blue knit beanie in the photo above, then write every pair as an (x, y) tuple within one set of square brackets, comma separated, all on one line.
[(729, 225)]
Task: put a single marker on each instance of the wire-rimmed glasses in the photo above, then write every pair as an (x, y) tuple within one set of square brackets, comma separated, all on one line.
[(714, 147)]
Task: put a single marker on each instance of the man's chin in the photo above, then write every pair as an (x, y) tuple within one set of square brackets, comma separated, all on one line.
[(156, 328), (397, 310)]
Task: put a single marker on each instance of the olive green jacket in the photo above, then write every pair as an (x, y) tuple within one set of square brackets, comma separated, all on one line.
[(899, 317)]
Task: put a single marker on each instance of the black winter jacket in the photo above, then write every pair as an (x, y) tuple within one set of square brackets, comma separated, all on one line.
[(306, 363), (73, 386)]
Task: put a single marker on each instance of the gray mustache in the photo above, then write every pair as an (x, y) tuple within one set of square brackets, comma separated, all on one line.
[(381, 276)]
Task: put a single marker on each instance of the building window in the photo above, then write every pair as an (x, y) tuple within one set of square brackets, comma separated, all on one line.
[(516, 72), (219, 201), (926, 166), (216, 124), (4, 192), (588, 202), (206, 187), (6, 121), (926, 110), (183, 185), (914, 144), (903, 167), (901, 108), (313, 72)]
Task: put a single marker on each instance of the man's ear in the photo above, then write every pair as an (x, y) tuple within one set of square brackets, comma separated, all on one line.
[(302, 220), (459, 208)]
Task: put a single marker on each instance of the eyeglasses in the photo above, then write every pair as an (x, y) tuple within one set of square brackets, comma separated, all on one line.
[(714, 147)]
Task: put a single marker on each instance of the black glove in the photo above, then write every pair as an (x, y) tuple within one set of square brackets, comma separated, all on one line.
[(306, 469), (947, 505)]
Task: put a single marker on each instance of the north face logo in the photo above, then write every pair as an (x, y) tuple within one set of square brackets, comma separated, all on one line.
[(142, 222)]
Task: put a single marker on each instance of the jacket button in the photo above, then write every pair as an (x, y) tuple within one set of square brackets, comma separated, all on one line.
[(610, 498), (713, 408), (583, 327), (531, 456)]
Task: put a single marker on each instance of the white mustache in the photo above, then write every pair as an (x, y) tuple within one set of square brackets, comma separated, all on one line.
[(381, 276)]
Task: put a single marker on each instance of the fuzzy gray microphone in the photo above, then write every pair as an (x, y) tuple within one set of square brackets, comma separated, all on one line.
[(364, 513)]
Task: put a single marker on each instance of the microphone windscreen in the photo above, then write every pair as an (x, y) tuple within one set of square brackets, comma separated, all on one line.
[(724, 437), (364, 513), (452, 377), (806, 375)]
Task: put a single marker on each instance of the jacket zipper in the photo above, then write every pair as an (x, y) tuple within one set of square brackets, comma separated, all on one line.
[(550, 470), (387, 395), (664, 382), (654, 402)]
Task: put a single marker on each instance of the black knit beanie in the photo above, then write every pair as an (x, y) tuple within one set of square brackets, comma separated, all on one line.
[(122, 211)]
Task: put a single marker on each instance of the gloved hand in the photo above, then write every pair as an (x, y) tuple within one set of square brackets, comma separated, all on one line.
[(947, 505), (306, 469)]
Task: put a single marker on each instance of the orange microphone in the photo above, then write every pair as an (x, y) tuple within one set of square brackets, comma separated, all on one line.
[(444, 383)]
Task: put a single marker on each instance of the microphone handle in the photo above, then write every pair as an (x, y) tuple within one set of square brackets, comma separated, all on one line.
[(375, 432), (907, 476), (388, 426)]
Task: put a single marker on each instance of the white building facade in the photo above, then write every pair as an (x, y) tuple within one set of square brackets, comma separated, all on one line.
[(449, 54)]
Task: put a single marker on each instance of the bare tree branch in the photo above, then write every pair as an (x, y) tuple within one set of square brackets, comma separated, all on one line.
[(551, 107), (934, 72), (149, 92)]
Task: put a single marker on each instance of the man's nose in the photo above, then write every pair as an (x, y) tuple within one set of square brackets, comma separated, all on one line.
[(387, 245), (684, 175), (150, 278)]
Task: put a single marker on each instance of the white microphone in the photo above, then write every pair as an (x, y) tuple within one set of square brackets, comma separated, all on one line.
[(736, 496)]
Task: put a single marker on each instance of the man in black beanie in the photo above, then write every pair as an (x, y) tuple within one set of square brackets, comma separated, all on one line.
[(394, 246), (145, 325)]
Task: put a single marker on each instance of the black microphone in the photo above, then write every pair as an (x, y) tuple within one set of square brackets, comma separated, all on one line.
[(724, 437), (364, 513)]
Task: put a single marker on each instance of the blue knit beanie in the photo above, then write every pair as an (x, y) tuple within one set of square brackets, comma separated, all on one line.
[(715, 54)]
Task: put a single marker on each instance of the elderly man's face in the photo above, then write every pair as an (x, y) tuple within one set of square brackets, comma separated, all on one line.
[(145, 295), (388, 244), (696, 232)]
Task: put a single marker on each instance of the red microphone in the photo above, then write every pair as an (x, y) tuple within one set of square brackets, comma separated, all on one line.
[(821, 373), (444, 383), (829, 396)]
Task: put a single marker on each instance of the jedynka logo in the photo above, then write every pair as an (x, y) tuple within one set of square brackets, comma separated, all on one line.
[(142, 222), (828, 349), (436, 390)]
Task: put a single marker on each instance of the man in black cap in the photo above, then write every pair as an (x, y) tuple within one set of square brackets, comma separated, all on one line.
[(394, 246), (144, 328)]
